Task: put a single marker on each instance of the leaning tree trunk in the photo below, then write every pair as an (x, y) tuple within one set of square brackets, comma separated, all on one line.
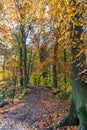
[(78, 111)]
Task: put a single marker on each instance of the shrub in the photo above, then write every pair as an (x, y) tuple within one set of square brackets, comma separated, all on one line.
[(25, 91)]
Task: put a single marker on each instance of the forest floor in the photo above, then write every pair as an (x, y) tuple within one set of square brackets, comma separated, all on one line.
[(36, 111)]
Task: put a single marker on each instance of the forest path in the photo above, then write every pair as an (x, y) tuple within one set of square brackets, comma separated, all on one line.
[(37, 111)]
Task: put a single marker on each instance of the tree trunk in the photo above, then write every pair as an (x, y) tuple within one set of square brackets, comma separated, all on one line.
[(25, 83), (65, 60), (43, 56), (20, 58), (77, 113), (54, 76), (55, 85), (29, 65), (21, 67), (25, 67), (79, 87)]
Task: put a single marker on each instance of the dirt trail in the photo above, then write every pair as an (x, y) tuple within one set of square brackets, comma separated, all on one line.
[(37, 111)]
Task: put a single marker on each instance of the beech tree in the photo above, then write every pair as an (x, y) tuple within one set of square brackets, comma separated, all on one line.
[(73, 14), (78, 110), (17, 15)]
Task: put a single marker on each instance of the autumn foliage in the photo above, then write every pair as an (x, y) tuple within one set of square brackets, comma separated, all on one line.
[(35, 42)]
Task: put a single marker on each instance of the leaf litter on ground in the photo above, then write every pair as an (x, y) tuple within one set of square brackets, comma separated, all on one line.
[(37, 111)]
